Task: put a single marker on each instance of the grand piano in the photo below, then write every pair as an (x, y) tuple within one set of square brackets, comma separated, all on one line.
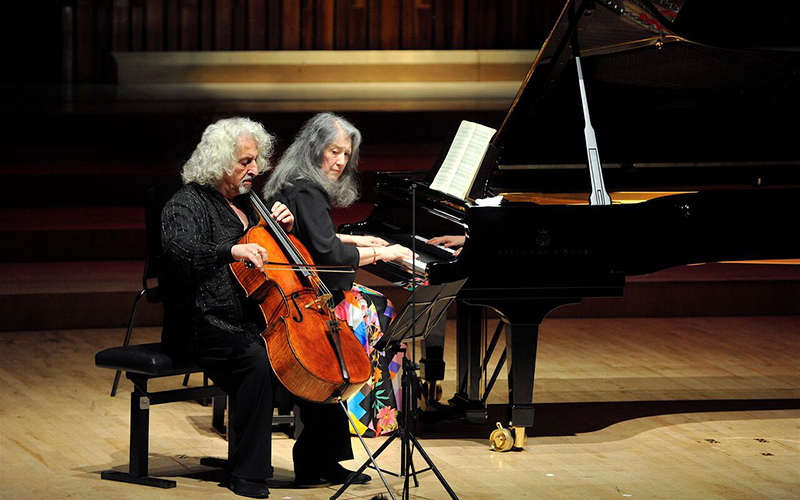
[(647, 134)]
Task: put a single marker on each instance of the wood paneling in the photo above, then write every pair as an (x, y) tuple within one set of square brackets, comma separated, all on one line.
[(439, 24), (356, 24), (154, 32), (239, 28), (105, 26), (455, 22), (274, 23), (307, 23), (137, 22), (223, 17), (340, 25), (172, 14), (487, 23), (121, 28), (423, 24), (206, 24), (189, 19), (84, 40), (323, 24), (390, 24), (291, 25), (256, 25)]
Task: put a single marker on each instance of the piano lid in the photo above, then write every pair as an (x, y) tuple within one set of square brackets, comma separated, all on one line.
[(655, 93)]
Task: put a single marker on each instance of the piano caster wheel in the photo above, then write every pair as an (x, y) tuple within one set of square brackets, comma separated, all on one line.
[(431, 391), (502, 439)]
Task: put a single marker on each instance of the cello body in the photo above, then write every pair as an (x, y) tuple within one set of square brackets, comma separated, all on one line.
[(315, 355)]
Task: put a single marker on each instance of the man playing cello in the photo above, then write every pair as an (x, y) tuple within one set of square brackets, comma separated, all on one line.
[(207, 317)]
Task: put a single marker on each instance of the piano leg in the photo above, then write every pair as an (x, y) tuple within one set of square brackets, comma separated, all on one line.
[(521, 343), (432, 361), (522, 319), (522, 337), (431, 364), (468, 351), (468, 369)]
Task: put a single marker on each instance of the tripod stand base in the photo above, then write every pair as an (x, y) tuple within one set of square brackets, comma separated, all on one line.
[(409, 443), (364, 465)]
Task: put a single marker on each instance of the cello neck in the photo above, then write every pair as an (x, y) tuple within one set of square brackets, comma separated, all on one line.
[(289, 249), (279, 234)]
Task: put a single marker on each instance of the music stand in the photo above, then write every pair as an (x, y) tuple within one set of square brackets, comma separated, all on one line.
[(424, 309)]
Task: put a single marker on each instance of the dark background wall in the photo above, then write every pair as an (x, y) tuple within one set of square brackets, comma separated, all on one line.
[(61, 71), (76, 37)]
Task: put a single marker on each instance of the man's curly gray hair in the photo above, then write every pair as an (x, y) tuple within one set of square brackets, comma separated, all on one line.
[(216, 153)]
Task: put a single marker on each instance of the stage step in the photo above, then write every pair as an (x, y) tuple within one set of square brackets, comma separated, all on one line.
[(72, 178), (57, 295), (713, 289), (100, 294), (80, 183), (63, 269), (47, 234), (58, 234)]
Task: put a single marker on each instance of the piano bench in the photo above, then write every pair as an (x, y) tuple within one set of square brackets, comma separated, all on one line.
[(140, 364)]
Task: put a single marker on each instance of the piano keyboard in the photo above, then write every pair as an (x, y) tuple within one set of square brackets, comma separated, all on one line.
[(426, 253), (425, 240), (416, 264)]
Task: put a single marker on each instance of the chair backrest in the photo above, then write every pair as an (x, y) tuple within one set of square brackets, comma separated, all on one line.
[(155, 197)]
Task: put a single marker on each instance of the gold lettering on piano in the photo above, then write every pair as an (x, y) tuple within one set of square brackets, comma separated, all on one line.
[(542, 252)]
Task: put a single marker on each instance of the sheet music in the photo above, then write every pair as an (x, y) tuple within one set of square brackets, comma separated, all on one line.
[(460, 166)]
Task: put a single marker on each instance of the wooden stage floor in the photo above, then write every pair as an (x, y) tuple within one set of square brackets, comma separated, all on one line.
[(647, 408)]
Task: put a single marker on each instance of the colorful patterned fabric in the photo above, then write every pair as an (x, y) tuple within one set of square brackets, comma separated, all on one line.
[(375, 407)]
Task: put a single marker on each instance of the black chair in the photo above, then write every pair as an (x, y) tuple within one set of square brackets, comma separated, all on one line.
[(141, 363), (144, 362), (155, 198)]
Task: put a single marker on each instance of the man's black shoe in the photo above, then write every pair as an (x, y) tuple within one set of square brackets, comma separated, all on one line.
[(340, 475), (309, 481), (253, 488)]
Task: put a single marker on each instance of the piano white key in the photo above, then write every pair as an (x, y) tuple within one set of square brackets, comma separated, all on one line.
[(420, 266), (425, 240)]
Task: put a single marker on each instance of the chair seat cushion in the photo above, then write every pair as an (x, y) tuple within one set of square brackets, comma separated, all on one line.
[(146, 359)]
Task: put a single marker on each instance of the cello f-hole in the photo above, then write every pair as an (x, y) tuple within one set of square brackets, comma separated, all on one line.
[(297, 308)]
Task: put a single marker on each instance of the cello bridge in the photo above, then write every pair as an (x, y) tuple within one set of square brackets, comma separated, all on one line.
[(318, 303)]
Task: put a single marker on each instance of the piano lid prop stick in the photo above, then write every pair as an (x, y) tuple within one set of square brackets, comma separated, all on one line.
[(599, 194)]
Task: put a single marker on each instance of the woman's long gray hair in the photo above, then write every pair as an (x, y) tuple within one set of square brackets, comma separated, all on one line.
[(216, 153), (303, 160)]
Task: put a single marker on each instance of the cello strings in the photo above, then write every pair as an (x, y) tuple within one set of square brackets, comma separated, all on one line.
[(343, 268), (287, 244), (279, 266), (278, 231)]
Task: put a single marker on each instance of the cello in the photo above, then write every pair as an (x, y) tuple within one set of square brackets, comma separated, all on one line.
[(315, 355)]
